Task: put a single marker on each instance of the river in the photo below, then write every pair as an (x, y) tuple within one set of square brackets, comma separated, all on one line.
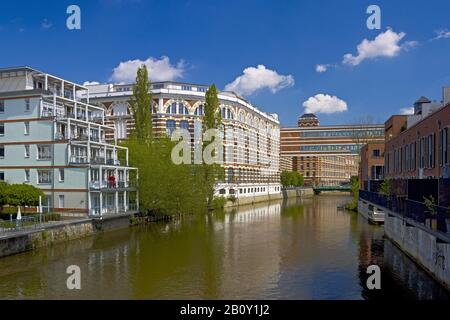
[(296, 249)]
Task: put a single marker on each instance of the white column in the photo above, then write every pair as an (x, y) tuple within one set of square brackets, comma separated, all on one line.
[(46, 82), (101, 203), (160, 105)]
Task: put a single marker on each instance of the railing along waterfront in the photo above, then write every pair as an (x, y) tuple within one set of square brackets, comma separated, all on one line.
[(27, 222), (431, 216)]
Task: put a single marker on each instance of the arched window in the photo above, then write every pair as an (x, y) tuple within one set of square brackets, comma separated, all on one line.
[(229, 114), (184, 124), (170, 127), (177, 108), (199, 111), (172, 108), (224, 110), (182, 109), (119, 110)]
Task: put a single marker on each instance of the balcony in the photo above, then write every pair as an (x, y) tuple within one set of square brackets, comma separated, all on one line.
[(78, 159), (97, 185)]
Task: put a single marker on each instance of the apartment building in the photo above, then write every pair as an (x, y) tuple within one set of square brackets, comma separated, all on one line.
[(327, 155), (420, 148), (250, 136), (372, 164), (52, 140)]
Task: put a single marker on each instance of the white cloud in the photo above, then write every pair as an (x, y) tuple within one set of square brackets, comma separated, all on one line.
[(158, 70), (441, 34), (386, 44), (254, 79), (321, 68), (324, 103), (408, 110), (90, 83), (45, 24)]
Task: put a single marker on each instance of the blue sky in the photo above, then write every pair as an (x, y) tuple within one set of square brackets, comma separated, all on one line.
[(215, 41)]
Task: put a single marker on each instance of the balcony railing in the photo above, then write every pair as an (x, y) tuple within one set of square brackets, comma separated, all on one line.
[(78, 159), (411, 209), (96, 184)]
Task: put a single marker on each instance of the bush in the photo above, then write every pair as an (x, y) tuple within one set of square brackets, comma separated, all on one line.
[(291, 179), (22, 195), (219, 202)]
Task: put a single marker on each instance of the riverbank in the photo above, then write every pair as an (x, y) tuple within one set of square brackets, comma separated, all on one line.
[(30, 239)]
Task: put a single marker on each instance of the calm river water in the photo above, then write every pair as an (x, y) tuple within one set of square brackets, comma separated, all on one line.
[(299, 249)]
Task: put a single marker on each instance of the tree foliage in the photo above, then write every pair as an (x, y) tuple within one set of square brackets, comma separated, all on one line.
[(141, 106), (212, 119), (164, 187), (21, 195), (291, 179)]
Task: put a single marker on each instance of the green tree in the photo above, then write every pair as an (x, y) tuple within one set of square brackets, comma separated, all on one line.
[(3, 188), (141, 106), (386, 188), (23, 195), (212, 119)]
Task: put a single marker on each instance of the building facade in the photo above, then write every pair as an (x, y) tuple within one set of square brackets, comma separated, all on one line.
[(55, 142), (250, 136), (421, 147), (327, 155), (371, 167)]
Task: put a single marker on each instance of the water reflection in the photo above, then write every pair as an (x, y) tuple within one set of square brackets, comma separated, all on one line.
[(296, 249)]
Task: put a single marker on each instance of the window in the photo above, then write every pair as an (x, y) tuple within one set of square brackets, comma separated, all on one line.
[(27, 151), (26, 130), (222, 191), (27, 175), (2, 129), (2, 176), (199, 111), (170, 127), (121, 129), (376, 153), (2, 152), (2, 106), (44, 152), (27, 104), (61, 201), (184, 124), (44, 176), (61, 175)]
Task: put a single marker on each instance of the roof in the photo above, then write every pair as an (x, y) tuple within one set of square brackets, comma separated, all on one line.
[(422, 99), (308, 115)]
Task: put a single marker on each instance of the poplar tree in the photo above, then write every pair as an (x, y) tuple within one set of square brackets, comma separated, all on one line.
[(212, 119), (140, 105)]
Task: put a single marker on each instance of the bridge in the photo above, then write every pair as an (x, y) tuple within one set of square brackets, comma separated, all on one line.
[(343, 188)]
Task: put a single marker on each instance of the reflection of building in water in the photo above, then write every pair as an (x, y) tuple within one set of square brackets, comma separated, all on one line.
[(409, 274), (251, 251), (255, 213)]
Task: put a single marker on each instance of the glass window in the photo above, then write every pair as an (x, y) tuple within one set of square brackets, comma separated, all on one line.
[(184, 124), (2, 176), (44, 176), (61, 175), (27, 151), (61, 201), (26, 130), (170, 127), (27, 175), (172, 108), (27, 104), (2, 129), (182, 109), (2, 151), (2, 106), (376, 153), (199, 111), (44, 152)]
